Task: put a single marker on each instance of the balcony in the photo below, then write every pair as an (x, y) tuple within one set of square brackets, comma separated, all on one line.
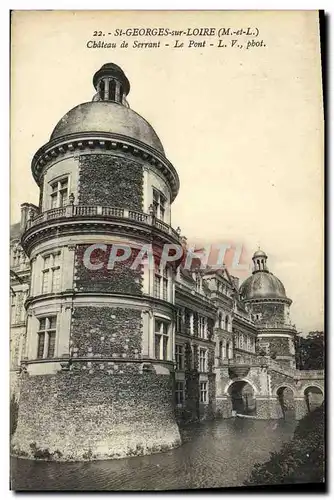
[(72, 211), (275, 325)]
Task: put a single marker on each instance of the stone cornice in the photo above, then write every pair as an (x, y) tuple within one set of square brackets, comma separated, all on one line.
[(268, 300), (88, 141), (143, 299)]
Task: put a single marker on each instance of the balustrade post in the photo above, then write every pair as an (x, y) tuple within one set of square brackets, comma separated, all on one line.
[(126, 213), (69, 210)]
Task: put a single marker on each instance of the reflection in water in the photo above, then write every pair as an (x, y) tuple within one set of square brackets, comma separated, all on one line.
[(214, 454)]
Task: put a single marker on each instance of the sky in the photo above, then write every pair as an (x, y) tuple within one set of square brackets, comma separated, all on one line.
[(243, 127)]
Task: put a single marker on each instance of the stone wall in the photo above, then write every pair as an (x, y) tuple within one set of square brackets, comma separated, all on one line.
[(280, 380), (271, 312), (110, 180), (278, 346), (106, 332), (224, 407), (120, 279), (76, 416)]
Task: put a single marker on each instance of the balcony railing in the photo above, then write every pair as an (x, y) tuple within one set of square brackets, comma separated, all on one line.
[(309, 374), (100, 211), (276, 325), (251, 359)]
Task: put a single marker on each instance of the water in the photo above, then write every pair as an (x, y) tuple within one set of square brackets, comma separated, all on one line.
[(214, 454)]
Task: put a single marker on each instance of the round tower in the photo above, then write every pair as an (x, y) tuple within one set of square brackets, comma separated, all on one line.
[(264, 295), (98, 370)]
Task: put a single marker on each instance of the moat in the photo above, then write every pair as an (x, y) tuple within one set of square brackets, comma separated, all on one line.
[(214, 454)]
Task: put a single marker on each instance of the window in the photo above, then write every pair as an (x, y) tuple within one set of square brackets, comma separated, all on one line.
[(59, 193), (51, 273), (178, 320), (229, 350), (179, 356), (188, 322), (160, 284), (164, 284), (224, 350), (226, 323), (220, 353), (47, 337), (179, 393), (161, 339), (202, 360), (241, 341), (112, 90), (201, 327), (159, 204), (203, 389)]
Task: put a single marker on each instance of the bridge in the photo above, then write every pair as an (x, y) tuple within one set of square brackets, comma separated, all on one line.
[(266, 389)]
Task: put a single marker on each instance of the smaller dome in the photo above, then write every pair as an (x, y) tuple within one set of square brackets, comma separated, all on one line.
[(114, 71), (259, 253), (262, 285)]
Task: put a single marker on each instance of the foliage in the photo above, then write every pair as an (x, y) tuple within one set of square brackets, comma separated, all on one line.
[(310, 351), (301, 460)]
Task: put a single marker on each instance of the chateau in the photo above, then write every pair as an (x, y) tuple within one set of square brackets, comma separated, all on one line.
[(106, 363)]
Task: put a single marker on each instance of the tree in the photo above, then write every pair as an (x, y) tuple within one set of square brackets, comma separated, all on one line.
[(310, 351)]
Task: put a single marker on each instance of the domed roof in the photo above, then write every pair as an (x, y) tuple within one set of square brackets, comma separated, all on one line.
[(262, 285), (259, 253), (107, 116)]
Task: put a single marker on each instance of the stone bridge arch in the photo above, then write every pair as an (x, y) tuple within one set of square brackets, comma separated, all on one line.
[(241, 379), (242, 393), (282, 385), (285, 397), (306, 385), (313, 396)]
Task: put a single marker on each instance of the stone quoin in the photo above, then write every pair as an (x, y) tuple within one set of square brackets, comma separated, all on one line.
[(107, 362)]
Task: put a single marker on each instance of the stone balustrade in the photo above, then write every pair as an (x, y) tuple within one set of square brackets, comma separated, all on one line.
[(275, 325), (309, 374), (100, 211)]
